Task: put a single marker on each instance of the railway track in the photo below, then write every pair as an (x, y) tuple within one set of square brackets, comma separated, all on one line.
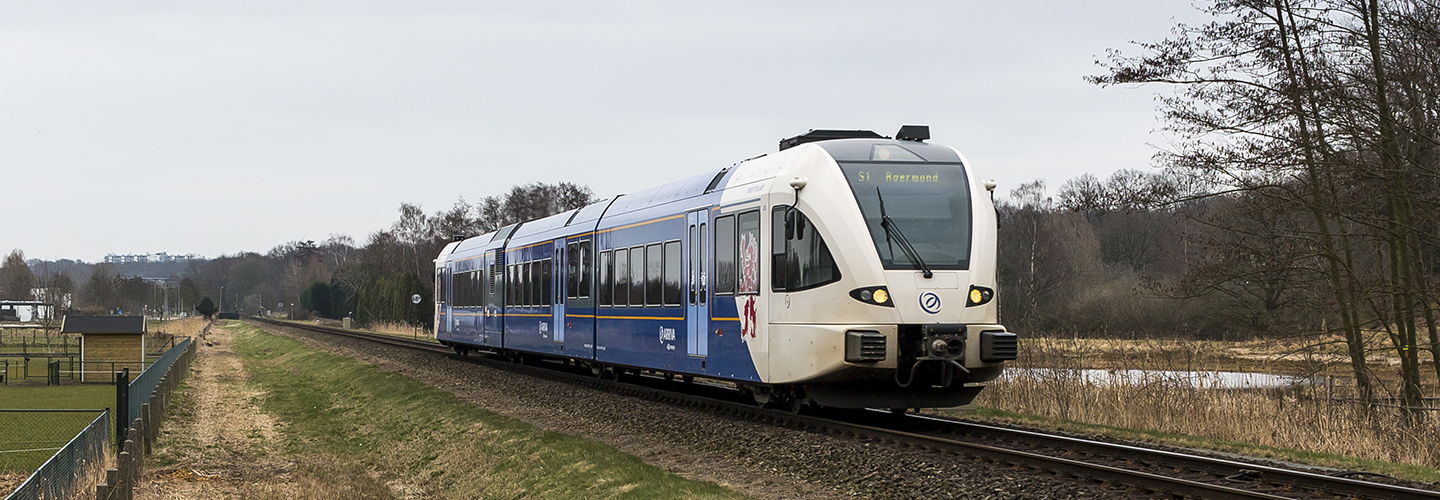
[(1142, 471)]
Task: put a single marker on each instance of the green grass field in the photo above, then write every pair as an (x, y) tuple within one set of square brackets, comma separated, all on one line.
[(390, 424), (28, 439)]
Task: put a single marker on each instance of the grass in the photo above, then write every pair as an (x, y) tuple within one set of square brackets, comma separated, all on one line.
[(43, 432), (386, 426), (1299, 424)]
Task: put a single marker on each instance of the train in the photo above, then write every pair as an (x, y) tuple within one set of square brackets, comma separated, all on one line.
[(847, 270)]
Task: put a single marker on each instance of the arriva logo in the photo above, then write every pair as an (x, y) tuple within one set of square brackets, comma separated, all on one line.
[(930, 302)]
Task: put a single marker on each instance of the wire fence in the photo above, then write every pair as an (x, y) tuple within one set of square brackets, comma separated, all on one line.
[(144, 384), (65, 462)]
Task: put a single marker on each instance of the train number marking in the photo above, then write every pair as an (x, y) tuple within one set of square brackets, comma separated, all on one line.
[(930, 302)]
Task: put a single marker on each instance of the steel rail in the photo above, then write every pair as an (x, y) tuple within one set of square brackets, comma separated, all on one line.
[(1199, 463), (645, 387)]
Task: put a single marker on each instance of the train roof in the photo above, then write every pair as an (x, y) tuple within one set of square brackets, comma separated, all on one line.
[(677, 190)]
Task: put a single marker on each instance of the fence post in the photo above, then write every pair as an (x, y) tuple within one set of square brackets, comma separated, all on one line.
[(137, 454), (122, 484), (103, 491), (122, 403)]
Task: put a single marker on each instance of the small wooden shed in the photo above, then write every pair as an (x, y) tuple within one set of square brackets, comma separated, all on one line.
[(108, 344)]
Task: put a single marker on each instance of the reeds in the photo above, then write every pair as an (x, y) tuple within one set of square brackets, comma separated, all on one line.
[(1306, 417)]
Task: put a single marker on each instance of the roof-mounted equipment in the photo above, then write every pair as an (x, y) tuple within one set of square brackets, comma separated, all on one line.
[(913, 133), (826, 135)]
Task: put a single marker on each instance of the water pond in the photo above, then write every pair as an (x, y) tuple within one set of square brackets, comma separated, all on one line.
[(1196, 379)]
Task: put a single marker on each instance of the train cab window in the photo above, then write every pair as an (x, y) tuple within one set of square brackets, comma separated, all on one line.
[(747, 253), (724, 278), (622, 277), (546, 289), (801, 260), (607, 279), (637, 277), (672, 273)]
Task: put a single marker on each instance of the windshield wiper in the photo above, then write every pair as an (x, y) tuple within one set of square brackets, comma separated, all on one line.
[(893, 231)]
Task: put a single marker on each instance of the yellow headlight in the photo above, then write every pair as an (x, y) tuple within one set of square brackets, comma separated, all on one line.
[(976, 296), (881, 297)]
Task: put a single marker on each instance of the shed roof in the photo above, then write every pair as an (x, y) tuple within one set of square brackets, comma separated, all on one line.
[(103, 324)]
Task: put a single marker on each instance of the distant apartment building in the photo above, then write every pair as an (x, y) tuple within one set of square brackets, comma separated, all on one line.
[(146, 258)]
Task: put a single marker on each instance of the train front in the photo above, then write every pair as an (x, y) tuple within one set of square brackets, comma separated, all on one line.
[(889, 245)]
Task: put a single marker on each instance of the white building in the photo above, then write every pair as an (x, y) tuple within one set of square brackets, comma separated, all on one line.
[(143, 258), (25, 310)]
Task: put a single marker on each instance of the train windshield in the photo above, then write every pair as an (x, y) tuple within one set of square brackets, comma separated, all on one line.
[(928, 204)]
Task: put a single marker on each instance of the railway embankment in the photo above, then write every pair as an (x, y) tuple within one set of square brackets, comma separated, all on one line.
[(753, 458), (270, 417)]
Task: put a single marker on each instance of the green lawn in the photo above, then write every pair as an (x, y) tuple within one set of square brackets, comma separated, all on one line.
[(28, 439), (393, 425)]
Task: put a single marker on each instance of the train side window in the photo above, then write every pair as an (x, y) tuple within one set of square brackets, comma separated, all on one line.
[(480, 292), (801, 259), (607, 279), (748, 253), (460, 280), (672, 273), (440, 286), (654, 275), (462, 284), (777, 248), (546, 289), (585, 270), (701, 261), (622, 277), (637, 277), (478, 279), (572, 270), (527, 281), (515, 285), (724, 271)]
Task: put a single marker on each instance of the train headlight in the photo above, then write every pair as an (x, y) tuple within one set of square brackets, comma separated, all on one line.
[(979, 295), (873, 295)]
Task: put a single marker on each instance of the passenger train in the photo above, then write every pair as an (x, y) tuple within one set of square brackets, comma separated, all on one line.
[(848, 270)]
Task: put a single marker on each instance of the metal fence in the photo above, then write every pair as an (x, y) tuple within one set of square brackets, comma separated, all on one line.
[(75, 461), (144, 384)]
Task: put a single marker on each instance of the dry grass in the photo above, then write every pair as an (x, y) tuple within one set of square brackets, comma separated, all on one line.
[(1291, 422), (400, 330)]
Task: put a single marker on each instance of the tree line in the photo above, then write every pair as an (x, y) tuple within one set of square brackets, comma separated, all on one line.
[(1304, 134), (333, 278)]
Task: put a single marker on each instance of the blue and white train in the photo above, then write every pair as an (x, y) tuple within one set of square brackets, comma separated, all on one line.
[(848, 270)]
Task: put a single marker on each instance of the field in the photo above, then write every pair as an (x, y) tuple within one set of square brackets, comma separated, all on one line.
[(267, 417), (1306, 423)]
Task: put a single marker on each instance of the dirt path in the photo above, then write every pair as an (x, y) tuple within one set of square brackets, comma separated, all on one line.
[(217, 442)]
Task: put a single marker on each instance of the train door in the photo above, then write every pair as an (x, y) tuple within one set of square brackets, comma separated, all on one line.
[(697, 307), (579, 299), (442, 302), (557, 284), (493, 315)]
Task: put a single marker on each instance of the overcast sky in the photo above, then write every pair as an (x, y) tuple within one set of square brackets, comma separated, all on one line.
[(221, 127)]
